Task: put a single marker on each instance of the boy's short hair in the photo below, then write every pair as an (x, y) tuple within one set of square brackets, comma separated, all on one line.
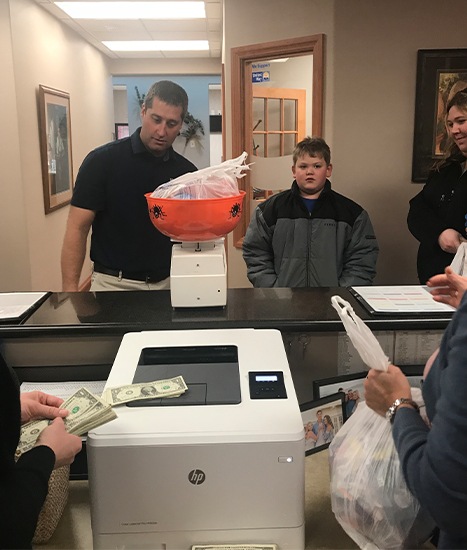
[(168, 92), (313, 146)]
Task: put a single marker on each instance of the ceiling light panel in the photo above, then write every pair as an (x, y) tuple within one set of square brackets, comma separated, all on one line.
[(133, 10), (156, 45)]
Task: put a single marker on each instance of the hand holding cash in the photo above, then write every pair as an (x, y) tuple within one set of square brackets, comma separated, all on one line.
[(87, 411)]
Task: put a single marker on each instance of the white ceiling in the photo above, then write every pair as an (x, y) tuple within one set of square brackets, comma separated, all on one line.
[(95, 31)]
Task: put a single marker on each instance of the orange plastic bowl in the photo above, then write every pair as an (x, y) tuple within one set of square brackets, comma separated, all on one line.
[(195, 219)]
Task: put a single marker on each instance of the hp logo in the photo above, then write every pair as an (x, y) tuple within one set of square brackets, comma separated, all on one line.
[(196, 477)]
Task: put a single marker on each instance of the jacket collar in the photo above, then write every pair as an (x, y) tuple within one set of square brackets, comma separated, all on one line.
[(326, 189)]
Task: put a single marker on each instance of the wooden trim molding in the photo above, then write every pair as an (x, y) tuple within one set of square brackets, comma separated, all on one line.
[(241, 95)]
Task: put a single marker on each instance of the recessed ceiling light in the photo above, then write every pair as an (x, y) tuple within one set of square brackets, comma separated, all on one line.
[(133, 10), (156, 45)]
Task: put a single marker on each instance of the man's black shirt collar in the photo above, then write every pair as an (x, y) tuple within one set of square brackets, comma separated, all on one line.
[(138, 147)]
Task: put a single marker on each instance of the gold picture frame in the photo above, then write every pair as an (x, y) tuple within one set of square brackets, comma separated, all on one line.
[(55, 146)]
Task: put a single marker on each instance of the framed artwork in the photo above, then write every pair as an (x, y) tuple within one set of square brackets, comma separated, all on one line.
[(440, 74), (55, 142), (351, 385), (121, 130), (322, 419)]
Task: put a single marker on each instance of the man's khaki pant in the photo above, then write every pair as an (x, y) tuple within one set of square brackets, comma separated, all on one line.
[(100, 281)]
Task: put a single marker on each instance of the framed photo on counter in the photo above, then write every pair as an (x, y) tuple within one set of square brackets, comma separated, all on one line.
[(322, 419), (351, 385)]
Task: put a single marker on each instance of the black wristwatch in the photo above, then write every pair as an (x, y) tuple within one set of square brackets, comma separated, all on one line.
[(391, 412)]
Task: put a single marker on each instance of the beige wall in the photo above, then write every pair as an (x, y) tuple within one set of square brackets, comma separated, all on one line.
[(43, 51), (14, 250), (199, 66)]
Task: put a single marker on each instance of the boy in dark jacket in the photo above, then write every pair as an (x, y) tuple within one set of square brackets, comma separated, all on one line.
[(310, 236)]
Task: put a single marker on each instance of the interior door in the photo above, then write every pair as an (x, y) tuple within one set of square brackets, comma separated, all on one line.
[(311, 49)]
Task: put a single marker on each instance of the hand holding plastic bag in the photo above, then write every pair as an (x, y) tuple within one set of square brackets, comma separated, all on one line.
[(208, 183), (369, 496)]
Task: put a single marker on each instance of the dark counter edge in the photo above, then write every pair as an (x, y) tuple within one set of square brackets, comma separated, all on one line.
[(118, 329)]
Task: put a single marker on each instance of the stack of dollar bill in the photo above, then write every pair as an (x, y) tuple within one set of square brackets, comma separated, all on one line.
[(172, 387), (87, 411)]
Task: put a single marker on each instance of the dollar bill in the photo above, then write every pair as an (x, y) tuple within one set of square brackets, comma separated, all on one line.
[(171, 387), (234, 547), (29, 434)]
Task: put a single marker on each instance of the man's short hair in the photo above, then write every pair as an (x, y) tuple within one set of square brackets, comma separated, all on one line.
[(313, 146), (168, 92)]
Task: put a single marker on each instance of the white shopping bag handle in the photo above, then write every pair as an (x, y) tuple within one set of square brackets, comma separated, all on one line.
[(458, 264), (360, 335)]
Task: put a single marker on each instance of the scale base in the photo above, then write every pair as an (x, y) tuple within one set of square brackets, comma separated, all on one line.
[(198, 274)]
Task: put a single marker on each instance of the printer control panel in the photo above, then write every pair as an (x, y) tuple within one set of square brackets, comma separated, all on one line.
[(267, 385)]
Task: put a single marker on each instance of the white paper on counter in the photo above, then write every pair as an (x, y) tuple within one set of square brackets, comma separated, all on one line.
[(15, 304), (65, 389)]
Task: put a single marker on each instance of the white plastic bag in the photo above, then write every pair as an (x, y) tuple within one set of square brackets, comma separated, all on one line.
[(208, 183), (360, 335), (459, 262), (369, 496)]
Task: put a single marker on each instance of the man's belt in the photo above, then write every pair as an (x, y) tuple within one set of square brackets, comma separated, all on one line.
[(147, 277)]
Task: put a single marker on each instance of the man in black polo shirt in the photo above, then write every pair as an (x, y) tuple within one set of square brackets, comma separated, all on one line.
[(127, 250)]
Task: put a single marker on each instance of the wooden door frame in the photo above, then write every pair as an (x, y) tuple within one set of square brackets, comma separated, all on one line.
[(241, 97)]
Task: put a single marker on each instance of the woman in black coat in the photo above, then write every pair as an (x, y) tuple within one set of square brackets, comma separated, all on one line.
[(437, 215)]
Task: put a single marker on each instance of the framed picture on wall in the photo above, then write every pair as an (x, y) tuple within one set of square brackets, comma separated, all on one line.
[(322, 419), (55, 144), (440, 74), (121, 130)]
